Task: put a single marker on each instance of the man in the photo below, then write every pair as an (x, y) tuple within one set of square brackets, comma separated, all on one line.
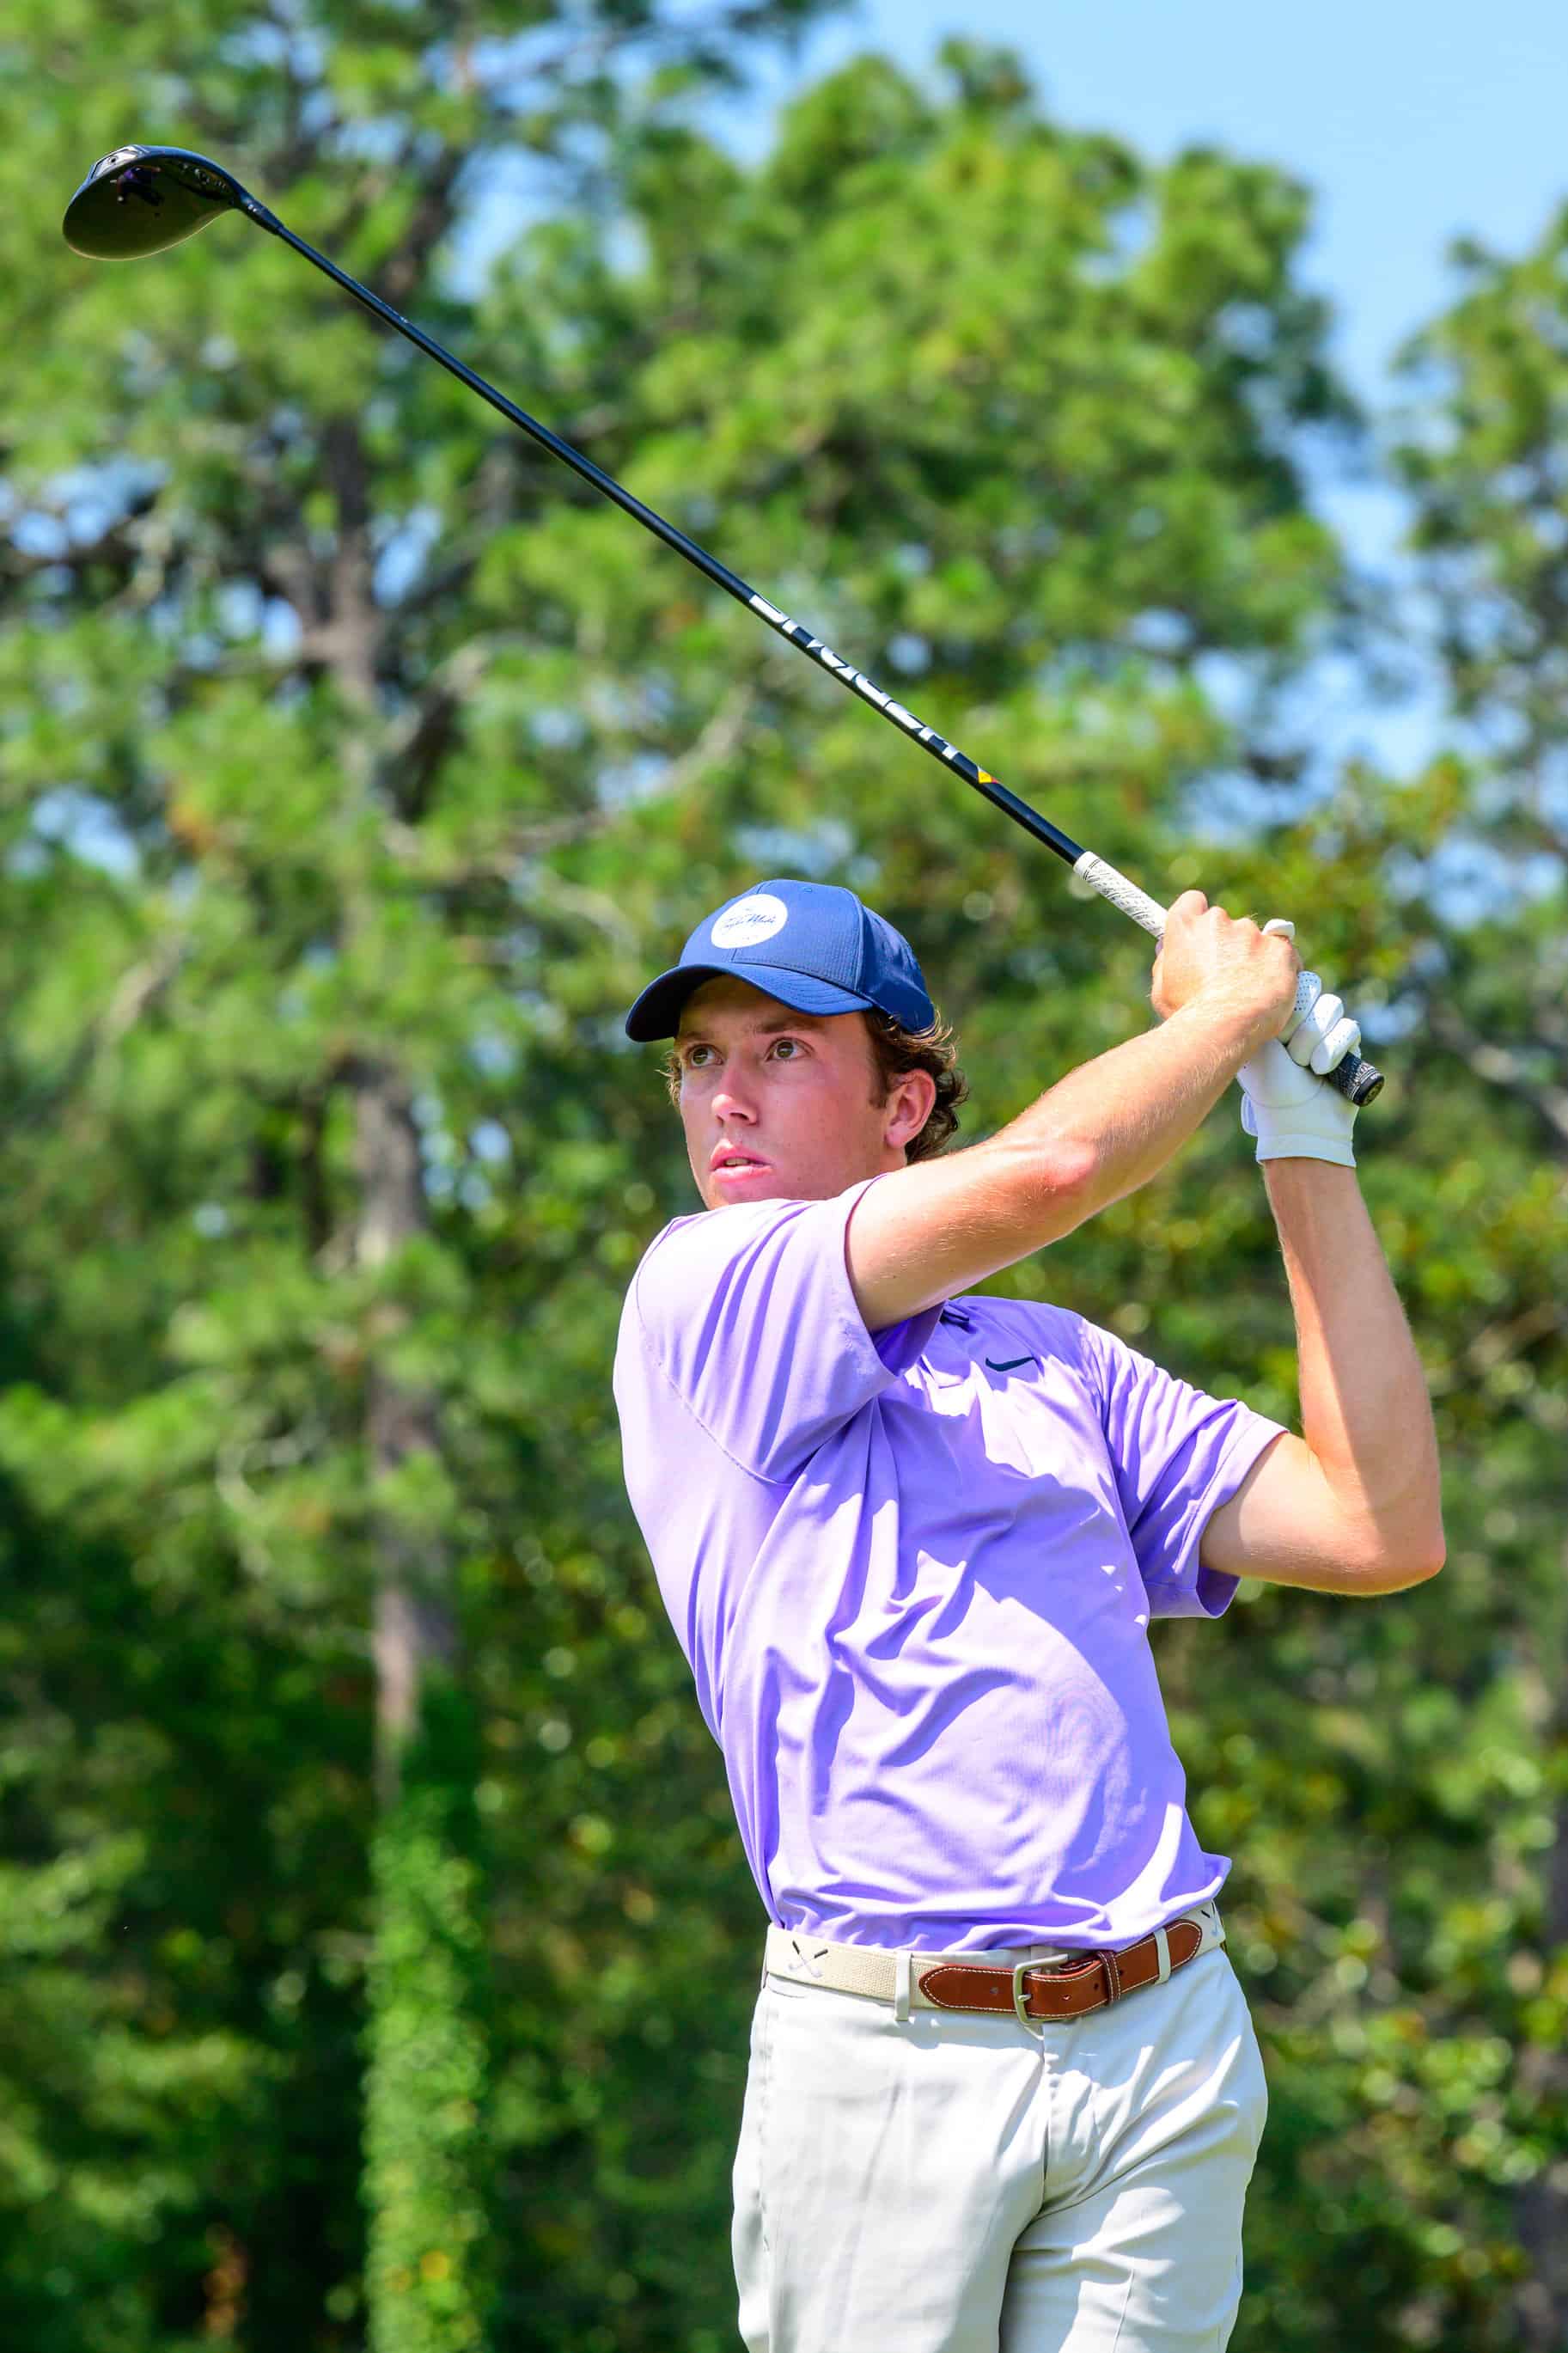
[(1003, 2088)]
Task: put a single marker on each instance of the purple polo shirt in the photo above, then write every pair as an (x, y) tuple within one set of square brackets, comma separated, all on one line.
[(913, 1576)]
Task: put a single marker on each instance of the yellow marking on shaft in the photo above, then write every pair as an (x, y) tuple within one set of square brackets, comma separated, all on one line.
[(985, 775)]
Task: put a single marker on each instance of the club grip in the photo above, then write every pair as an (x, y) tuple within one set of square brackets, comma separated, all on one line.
[(1359, 1082)]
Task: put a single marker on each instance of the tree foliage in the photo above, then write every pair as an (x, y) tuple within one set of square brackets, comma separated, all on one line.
[(356, 767)]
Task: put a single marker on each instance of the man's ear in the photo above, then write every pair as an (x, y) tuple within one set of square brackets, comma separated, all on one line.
[(909, 1106)]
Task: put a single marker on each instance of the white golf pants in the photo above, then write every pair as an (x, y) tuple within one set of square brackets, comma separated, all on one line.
[(958, 2184)]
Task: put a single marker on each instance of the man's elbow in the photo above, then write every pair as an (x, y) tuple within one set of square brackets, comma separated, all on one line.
[(1074, 1185), (1406, 1562), (1049, 1190)]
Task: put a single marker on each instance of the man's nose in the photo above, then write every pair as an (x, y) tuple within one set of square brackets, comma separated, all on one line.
[(734, 1099)]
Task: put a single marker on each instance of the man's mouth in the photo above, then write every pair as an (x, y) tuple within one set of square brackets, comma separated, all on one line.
[(728, 1159)]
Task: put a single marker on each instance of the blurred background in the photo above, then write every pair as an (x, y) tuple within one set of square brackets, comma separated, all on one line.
[(1170, 404)]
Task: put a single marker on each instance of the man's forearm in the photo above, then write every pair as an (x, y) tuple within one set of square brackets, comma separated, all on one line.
[(1123, 1116), (1366, 1413), (936, 1227)]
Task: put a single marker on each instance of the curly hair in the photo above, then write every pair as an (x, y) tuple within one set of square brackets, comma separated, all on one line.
[(895, 1052), (898, 1050)]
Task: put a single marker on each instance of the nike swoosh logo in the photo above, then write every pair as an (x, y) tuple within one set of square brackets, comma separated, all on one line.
[(1012, 1364)]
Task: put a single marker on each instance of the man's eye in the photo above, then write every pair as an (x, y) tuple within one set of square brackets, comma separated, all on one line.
[(789, 1048), (693, 1056)]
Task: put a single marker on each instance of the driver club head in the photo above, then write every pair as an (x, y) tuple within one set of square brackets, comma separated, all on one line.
[(137, 200)]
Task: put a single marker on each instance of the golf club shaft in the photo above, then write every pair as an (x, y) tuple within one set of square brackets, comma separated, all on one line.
[(709, 565), (1353, 1078)]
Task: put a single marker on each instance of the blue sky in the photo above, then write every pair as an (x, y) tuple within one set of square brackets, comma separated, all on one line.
[(1416, 120)]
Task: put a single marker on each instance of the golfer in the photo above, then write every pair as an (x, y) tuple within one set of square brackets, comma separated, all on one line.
[(1004, 2089)]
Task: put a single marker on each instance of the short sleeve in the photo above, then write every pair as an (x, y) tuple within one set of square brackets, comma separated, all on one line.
[(1176, 1454), (748, 1315)]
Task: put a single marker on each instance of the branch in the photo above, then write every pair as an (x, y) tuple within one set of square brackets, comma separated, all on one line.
[(500, 865), (1503, 1068), (407, 767), (1499, 1343), (721, 737), (354, 627), (137, 991), (432, 219), (115, 545)]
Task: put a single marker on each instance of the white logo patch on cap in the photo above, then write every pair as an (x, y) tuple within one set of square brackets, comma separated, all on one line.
[(749, 921)]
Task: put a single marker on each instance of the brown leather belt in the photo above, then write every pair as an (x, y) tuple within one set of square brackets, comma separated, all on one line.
[(1040, 1985), (1066, 1988)]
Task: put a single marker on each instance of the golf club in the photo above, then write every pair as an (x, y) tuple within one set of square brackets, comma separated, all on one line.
[(137, 200)]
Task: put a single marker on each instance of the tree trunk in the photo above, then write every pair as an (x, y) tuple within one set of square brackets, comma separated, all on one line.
[(1541, 2209), (415, 1633), (429, 2267)]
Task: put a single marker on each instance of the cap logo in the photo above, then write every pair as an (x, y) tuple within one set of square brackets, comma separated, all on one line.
[(750, 922)]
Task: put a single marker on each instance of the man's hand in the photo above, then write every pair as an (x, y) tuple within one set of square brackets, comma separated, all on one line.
[(1227, 965), (1290, 1111), (1293, 1115)]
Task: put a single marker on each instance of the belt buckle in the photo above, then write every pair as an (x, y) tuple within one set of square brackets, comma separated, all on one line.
[(1029, 2025)]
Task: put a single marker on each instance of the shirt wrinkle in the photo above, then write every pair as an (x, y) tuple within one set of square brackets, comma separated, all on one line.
[(929, 1623), (686, 1405)]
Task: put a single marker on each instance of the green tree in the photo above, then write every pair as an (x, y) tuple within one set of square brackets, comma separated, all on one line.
[(357, 766), (213, 485), (1483, 462), (1401, 1914)]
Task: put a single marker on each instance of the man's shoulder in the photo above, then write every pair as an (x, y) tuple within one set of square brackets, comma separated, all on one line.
[(767, 1247), (711, 1237), (717, 1237)]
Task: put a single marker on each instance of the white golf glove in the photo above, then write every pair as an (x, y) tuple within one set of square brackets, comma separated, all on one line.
[(1284, 1103)]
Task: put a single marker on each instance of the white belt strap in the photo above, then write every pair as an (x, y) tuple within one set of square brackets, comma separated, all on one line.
[(844, 1968), (895, 1977)]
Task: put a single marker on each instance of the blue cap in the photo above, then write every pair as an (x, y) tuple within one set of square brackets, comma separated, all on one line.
[(810, 945)]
